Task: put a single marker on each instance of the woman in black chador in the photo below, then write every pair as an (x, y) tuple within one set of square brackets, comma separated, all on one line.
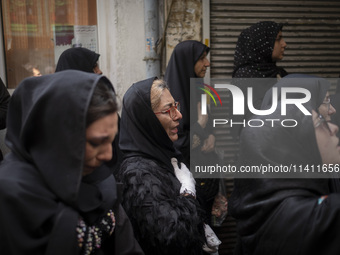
[(258, 49), (196, 140), (86, 60), (56, 195), (189, 60), (294, 212), (159, 194)]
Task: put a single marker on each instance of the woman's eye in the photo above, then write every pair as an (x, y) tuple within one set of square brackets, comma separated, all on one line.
[(94, 144)]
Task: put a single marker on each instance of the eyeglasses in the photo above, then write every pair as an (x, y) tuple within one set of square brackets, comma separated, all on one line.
[(172, 110), (323, 123)]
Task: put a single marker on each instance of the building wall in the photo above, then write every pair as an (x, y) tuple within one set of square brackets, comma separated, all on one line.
[(121, 42), (184, 23)]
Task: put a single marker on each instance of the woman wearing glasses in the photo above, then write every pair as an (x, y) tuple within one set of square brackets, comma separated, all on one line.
[(295, 211), (159, 191)]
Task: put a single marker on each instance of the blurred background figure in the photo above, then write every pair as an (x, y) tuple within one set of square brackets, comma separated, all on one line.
[(81, 59), (291, 212)]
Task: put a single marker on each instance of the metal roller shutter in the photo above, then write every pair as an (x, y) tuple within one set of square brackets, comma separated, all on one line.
[(312, 33)]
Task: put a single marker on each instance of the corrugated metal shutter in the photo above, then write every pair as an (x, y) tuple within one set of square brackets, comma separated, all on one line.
[(312, 33)]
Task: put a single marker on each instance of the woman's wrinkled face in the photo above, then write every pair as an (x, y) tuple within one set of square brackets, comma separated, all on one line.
[(327, 140), (326, 109), (279, 48), (169, 124), (201, 65), (99, 137)]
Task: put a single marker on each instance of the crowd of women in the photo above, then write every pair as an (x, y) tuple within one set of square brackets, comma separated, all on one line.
[(83, 179)]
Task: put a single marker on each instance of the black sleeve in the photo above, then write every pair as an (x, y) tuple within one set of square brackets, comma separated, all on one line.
[(165, 221)]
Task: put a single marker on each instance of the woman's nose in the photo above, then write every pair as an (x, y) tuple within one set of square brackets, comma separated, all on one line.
[(106, 153), (178, 115)]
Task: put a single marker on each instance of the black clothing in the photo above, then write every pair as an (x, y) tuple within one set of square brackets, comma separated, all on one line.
[(83, 59), (285, 216), (164, 221), (253, 54), (4, 100), (42, 193)]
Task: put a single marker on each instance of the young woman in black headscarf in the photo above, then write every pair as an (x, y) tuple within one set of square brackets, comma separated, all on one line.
[(189, 60), (159, 194), (258, 48), (86, 60), (293, 212), (56, 195)]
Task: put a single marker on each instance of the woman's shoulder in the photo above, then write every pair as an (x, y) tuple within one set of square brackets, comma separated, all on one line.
[(142, 165)]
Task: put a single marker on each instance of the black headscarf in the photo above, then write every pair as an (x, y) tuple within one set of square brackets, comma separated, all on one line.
[(266, 206), (31, 128), (141, 132), (254, 48), (81, 59), (46, 134)]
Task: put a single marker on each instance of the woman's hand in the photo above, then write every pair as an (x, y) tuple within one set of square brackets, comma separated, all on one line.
[(185, 177), (209, 144), (201, 119)]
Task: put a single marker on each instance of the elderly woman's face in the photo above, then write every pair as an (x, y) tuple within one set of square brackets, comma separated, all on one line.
[(202, 65), (170, 124), (326, 109), (327, 140)]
